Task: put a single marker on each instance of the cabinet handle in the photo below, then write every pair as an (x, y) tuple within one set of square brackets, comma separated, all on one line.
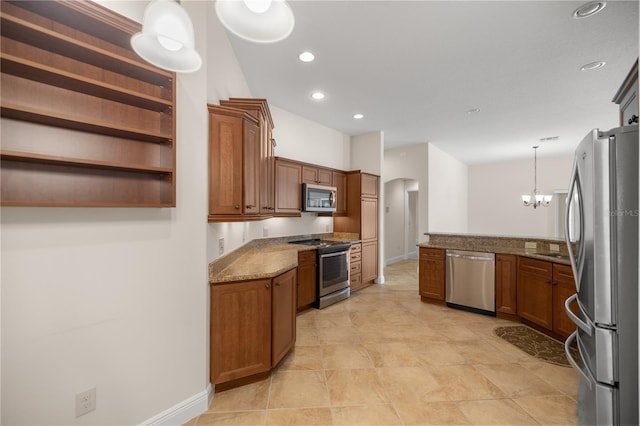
[(633, 119), (237, 206), (548, 282), (267, 286), (278, 284), (249, 206)]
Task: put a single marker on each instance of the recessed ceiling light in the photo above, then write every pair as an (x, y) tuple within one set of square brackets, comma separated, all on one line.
[(317, 96), (593, 66), (306, 56), (358, 116), (473, 111), (589, 9)]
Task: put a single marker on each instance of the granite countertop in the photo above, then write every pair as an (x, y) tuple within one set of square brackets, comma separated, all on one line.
[(265, 258), (502, 245)]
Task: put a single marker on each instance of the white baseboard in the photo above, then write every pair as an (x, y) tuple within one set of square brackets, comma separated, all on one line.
[(182, 412), (392, 260)]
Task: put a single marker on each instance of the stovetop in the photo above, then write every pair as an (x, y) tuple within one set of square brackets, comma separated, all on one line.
[(324, 246)]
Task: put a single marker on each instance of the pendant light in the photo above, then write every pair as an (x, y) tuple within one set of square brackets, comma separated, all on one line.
[(536, 200), (258, 21), (166, 40)]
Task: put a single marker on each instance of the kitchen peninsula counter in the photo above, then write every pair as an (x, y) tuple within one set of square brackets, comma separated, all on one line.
[(501, 245), (265, 258)]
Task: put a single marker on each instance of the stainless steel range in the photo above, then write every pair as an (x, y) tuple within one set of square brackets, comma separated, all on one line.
[(333, 270)]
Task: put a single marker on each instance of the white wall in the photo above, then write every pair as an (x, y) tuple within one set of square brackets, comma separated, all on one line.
[(495, 206), (111, 298), (410, 162), (447, 192)]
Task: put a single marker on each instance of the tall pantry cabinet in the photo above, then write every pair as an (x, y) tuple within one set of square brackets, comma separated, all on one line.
[(362, 218)]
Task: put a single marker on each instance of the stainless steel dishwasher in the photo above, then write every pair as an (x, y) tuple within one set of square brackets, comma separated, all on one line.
[(470, 281)]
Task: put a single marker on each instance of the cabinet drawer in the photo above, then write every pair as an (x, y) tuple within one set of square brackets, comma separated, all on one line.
[(356, 248), (356, 267), (355, 280), (534, 266), (356, 257), (432, 253), (307, 257)]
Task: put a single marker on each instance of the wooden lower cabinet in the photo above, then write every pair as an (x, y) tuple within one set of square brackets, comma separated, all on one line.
[(283, 315), (355, 267), (369, 261), (252, 327), (506, 274), (535, 292), (564, 286), (431, 273), (543, 288), (307, 278)]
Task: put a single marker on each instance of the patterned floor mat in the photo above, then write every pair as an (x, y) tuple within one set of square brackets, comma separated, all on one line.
[(535, 344)]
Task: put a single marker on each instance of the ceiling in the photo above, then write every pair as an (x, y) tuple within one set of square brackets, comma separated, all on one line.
[(414, 69)]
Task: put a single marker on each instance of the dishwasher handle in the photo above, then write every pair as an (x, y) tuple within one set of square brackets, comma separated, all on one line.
[(464, 256)]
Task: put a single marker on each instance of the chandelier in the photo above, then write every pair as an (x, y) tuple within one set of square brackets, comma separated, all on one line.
[(536, 200)]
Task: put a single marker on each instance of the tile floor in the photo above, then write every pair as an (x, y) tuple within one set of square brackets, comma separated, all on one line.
[(385, 358)]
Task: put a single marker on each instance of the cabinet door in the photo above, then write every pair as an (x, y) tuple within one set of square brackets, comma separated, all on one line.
[(240, 330), (288, 190), (563, 287), (340, 182), (629, 106), (431, 273), (369, 186), (267, 172), (225, 164), (251, 168), (369, 217), (306, 278), (325, 177), (283, 311), (309, 174), (535, 292), (369, 261), (506, 300)]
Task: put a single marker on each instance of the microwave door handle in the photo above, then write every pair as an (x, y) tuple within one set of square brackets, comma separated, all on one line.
[(332, 198)]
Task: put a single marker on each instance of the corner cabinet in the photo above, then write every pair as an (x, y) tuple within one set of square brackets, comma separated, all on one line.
[(85, 121), (253, 326), (362, 218)]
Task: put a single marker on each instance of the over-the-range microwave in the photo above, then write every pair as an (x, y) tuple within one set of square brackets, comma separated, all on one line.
[(318, 198)]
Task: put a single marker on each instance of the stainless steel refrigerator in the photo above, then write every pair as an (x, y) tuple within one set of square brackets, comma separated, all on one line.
[(604, 193)]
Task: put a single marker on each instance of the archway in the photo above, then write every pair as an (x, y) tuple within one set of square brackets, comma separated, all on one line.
[(401, 214)]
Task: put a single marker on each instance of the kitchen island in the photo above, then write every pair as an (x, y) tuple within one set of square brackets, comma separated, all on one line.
[(533, 277)]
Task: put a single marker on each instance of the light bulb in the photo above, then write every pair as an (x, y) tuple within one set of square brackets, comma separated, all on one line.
[(526, 199), (258, 6)]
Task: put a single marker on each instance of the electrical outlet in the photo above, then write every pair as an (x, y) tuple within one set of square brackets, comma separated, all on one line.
[(85, 402), (265, 232), (221, 246), (554, 247), (531, 246)]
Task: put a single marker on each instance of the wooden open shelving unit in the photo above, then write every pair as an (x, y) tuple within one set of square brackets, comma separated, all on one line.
[(85, 121)]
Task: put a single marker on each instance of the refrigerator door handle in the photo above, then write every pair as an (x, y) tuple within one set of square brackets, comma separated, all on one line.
[(573, 187), (586, 327), (574, 364)]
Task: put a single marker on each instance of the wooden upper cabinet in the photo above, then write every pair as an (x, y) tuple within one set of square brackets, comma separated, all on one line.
[(287, 188), (627, 97), (85, 121), (316, 175), (339, 180), (259, 109), (233, 164), (369, 185)]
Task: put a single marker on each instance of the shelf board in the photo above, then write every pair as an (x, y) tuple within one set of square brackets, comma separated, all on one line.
[(37, 36), (50, 118), (76, 162), (31, 70)]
